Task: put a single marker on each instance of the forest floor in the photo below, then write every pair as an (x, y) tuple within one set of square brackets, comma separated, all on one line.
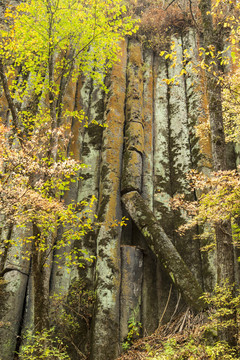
[(188, 336)]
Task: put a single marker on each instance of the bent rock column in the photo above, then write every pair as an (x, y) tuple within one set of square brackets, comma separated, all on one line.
[(162, 246)]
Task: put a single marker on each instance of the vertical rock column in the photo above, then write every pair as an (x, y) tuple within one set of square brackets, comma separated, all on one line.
[(179, 131), (195, 109), (180, 152), (85, 147), (162, 180), (148, 113), (13, 292), (194, 95), (162, 184), (181, 148), (61, 275), (105, 337), (134, 134), (131, 286), (150, 285), (91, 155), (161, 147)]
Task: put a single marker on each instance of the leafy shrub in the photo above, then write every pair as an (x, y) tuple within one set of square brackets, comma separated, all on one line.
[(192, 349), (134, 327), (71, 315), (43, 346)]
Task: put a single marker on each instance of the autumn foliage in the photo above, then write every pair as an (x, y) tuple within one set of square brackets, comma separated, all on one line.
[(159, 21), (45, 46), (218, 199)]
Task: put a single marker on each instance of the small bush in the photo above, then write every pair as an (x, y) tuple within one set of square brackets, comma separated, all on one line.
[(43, 346)]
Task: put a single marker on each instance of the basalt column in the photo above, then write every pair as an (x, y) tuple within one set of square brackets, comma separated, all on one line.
[(137, 157), (105, 340), (15, 267)]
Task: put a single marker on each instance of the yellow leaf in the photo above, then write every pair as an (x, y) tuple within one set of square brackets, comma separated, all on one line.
[(183, 71), (173, 45)]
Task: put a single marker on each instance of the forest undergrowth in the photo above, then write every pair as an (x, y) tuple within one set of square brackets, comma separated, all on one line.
[(186, 337)]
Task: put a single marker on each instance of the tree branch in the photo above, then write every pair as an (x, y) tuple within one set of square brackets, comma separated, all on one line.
[(11, 105)]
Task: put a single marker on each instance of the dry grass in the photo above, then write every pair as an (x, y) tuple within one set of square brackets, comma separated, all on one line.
[(180, 328)]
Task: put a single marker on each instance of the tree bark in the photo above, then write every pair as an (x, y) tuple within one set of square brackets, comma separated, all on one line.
[(225, 249), (8, 96), (41, 293)]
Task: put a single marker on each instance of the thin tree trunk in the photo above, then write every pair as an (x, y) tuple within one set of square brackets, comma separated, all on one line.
[(41, 296), (8, 96)]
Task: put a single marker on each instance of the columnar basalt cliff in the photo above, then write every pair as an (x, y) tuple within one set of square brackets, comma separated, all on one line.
[(137, 157)]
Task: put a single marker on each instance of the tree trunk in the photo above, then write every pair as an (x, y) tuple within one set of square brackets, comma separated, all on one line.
[(225, 250), (41, 291)]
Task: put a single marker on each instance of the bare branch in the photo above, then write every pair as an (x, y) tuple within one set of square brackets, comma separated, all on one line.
[(11, 105)]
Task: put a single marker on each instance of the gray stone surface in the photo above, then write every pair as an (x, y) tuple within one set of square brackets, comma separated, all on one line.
[(148, 145)]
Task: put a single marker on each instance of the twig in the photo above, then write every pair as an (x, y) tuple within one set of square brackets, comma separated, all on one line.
[(9, 97), (169, 4), (193, 17), (175, 310), (184, 319), (166, 306)]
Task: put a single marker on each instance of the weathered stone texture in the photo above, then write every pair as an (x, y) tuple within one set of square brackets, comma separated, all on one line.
[(162, 246), (148, 111), (131, 287), (134, 134), (145, 146), (108, 270), (161, 144), (13, 292)]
